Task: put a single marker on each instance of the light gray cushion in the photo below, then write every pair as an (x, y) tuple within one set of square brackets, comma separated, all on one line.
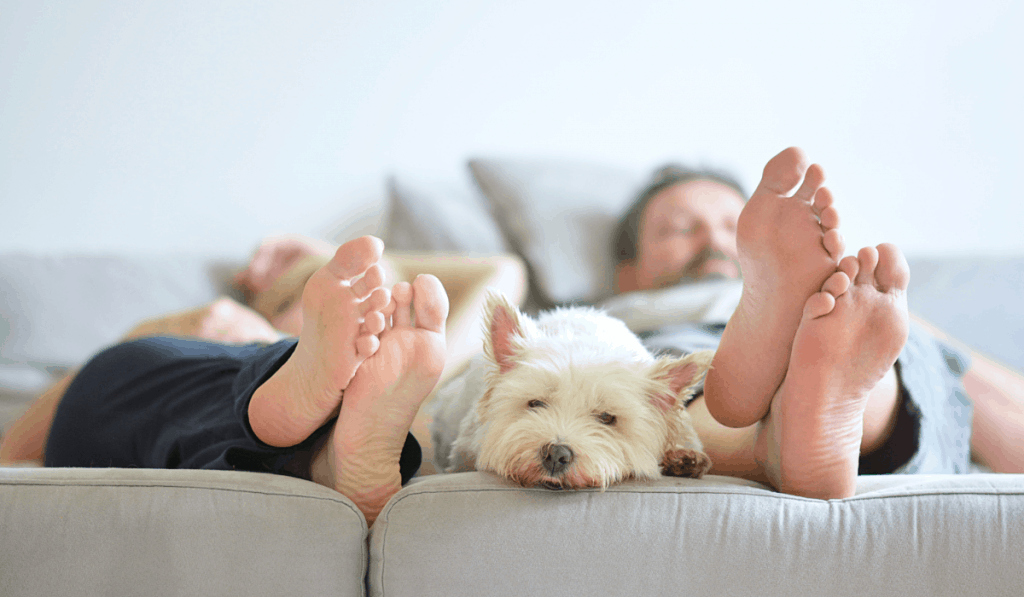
[(560, 216), (148, 532), (57, 310), (427, 215), (472, 534)]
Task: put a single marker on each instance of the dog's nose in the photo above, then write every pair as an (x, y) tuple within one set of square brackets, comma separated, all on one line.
[(556, 458)]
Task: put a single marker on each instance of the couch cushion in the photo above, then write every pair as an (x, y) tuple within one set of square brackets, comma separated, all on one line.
[(473, 534), (148, 532)]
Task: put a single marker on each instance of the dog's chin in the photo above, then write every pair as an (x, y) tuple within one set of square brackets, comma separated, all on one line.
[(552, 484), (537, 477)]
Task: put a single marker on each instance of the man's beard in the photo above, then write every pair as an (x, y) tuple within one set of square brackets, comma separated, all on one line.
[(693, 271)]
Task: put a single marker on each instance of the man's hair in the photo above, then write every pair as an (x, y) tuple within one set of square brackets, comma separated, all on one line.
[(627, 231)]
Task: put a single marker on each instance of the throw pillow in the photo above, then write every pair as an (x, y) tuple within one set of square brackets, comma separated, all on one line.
[(560, 217), (431, 216)]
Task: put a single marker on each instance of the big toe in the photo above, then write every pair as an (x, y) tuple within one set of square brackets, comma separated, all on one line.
[(892, 271), (784, 172), (430, 302), (356, 256)]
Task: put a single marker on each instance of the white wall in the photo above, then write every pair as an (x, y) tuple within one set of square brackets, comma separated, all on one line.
[(150, 126)]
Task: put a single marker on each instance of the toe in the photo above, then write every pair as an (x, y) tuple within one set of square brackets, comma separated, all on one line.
[(822, 199), (849, 266), (819, 303), (373, 323), (813, 179), (366, 346), (402, 293), (784, 171), (836, 284), (834, 243), (892, 272), (829, 218), (377, 301), (867, 259), (431, 303), (371, 281), (355, 256)]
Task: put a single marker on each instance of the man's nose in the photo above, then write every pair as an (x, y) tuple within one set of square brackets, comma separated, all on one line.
[(721, 240)]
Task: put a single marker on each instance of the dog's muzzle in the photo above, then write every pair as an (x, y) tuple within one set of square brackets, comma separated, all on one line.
[(556, 458)]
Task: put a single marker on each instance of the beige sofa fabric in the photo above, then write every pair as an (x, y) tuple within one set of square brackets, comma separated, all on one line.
[(149, 532), (471, 534)]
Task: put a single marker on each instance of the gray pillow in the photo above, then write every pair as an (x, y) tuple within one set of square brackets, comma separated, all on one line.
[(57, 310), (560, 217), (426, 215)]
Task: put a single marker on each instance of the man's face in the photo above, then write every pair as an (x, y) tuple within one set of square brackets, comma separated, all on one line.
[(688, 232)]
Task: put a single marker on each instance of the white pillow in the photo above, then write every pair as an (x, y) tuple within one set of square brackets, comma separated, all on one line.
[(560, 217)]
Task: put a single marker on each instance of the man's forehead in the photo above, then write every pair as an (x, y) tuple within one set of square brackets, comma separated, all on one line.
[(693, 198)]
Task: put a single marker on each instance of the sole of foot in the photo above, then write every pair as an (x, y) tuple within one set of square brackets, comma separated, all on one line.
[(383, 398), (789, 245), (847, 341), (342, 306)]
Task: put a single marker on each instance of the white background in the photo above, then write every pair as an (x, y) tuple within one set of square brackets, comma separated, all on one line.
[(203, 126)]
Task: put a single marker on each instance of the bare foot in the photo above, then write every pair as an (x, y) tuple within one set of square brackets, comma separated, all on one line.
[(788, 247), (810, 442), (341, 319), (361, 458)]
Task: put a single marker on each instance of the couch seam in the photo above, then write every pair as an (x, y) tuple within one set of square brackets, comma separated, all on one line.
[(169, 486), (852, 499)]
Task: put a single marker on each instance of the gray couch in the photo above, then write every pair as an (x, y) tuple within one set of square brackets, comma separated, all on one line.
[(159, 532)]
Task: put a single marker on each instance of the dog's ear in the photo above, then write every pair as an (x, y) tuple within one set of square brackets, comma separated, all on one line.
[(681, 375), (502, 325)]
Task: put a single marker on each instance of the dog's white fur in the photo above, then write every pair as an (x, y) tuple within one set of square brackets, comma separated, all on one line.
[(577, 379)]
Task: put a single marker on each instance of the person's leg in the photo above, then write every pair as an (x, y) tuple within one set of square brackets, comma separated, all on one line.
[(789, 246), (732, 451), (361, 457), (997, 393), (997, 438), (223, 320)]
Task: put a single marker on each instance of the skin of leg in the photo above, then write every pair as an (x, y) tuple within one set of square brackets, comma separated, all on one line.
[(223, 320), (731, 449), (997, 391)]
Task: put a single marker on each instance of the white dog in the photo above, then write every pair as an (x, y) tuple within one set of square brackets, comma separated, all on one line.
[(571, 400)]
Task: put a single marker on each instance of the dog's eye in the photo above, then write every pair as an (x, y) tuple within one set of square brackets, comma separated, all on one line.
[(536, 404), (606, 418)]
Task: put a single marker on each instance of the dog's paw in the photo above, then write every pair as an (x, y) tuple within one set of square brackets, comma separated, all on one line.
[(685, 463)]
